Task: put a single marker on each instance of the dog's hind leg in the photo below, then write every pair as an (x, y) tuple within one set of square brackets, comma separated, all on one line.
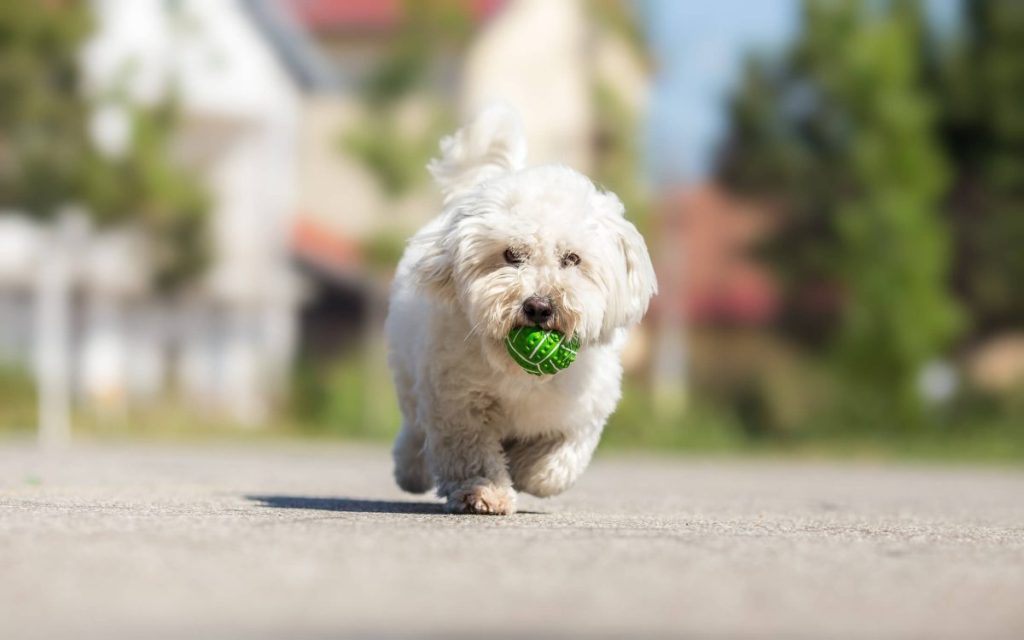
[(411, 471)]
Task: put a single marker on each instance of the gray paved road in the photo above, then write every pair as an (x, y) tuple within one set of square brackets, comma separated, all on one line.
[(297, 541)]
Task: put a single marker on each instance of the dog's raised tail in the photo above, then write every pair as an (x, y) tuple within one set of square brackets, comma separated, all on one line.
[(491, 145)]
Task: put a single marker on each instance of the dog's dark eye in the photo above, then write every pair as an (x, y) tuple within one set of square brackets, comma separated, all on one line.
[(570, 260), (512, 257)]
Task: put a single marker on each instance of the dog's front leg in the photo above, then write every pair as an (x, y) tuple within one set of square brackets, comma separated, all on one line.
[(469, 467), (548, 465)]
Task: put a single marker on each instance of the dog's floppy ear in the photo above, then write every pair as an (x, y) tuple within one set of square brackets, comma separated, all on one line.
[(635, 285), (432, 251), (492, 144)]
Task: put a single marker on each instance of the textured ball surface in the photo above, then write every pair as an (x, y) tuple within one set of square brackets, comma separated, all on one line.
[(541, 351)]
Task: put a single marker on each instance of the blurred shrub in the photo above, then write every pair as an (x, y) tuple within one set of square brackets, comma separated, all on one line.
[(383, 250), (352, 396), (705, 427), (769, 386), (17, 400), (394, 155)]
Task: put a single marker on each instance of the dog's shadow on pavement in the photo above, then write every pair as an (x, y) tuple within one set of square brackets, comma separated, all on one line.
[(353, 505), (348, 505)]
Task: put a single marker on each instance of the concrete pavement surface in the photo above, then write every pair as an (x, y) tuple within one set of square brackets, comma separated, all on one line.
[(313, 540)]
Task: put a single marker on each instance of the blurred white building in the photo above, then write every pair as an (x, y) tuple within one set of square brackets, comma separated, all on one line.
[(266, 87), (225, 345)]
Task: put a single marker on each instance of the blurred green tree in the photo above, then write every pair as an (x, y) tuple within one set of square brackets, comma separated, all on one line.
[(48, 158), (839, 135), (616, 146), (430, 36), (979, 81), (42, 124)]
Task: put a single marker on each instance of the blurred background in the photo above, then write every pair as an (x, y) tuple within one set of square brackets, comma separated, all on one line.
[(202, 204)]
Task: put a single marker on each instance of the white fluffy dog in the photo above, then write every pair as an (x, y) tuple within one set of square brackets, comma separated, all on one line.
[(513, 246)]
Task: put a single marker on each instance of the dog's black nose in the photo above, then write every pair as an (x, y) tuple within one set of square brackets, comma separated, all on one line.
[(538, 310)]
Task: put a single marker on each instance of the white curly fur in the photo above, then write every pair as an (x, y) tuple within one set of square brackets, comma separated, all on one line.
[(476, 426)]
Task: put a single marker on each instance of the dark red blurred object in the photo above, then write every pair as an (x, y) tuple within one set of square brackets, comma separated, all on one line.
[(707, 253)]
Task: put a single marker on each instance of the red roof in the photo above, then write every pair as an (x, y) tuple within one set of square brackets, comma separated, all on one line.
[(332, 14), (371, 15), (331, 251)]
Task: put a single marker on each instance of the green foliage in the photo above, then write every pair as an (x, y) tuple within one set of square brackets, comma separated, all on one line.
[(17, 400), (979, 81), (143, 188), (47, 158), (705, 427), (43, 137), (394, 156), (840, 134), (894, 253), (429, 31), (618, 155), (383, 250), (975, 429), (619, 18), (350, 397), (427, 43)]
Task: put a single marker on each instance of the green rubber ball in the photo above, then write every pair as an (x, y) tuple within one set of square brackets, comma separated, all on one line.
[(541, 351)]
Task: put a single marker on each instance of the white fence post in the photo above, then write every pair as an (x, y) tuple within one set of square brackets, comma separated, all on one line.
[(53, 329)]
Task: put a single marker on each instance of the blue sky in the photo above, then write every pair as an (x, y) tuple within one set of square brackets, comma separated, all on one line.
[(699, 46)]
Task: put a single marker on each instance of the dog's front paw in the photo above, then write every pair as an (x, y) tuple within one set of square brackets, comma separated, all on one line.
[(482, 497)]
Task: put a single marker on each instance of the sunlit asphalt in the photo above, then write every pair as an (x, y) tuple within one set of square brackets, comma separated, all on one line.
[(311, 540)]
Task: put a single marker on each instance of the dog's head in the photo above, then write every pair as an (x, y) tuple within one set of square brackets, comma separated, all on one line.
[(540, 246)]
